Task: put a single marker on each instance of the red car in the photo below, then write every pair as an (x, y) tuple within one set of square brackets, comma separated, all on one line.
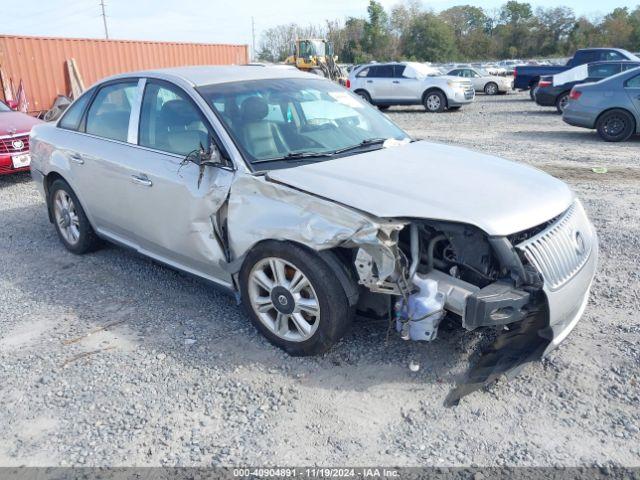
[(14, 140)]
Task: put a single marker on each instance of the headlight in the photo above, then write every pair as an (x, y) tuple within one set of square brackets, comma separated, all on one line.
[(453, 84)]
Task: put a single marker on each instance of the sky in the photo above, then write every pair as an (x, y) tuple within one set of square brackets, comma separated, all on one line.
[(210, 21)]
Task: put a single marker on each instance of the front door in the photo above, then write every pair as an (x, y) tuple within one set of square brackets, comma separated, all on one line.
[(173, 206), (379, 82)]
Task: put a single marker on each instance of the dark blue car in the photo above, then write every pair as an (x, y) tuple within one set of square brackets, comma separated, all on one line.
[(549, 95)]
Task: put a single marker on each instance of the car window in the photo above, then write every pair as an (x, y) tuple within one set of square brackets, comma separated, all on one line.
[(270, 119), (363, 73), (170, 121), (108, 115), (633, 82), (472, 74), (629, 66), (603, 71), (4, 107), (381, 71), (611, 55), (398, 70), (456, 73), (71, 118)]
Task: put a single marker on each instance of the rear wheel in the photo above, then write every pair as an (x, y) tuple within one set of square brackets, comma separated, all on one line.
[(561, 102), (73, 227), (491, 88), (294, 298), (434, 102), (364, 95), (615, 125)]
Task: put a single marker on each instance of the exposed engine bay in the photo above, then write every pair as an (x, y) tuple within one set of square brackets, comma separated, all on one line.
[(481, 279), (447, 268)]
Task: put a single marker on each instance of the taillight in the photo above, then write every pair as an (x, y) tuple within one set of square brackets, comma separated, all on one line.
[(544, 83), (575, 94), (348, 83), (515, 72)]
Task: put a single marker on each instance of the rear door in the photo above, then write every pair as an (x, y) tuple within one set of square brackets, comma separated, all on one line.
[(100, 158), (406, 89), (379, 82), (173, 207)]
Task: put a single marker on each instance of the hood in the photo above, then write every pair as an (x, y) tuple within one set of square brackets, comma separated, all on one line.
[(435, 181), (16, 123)]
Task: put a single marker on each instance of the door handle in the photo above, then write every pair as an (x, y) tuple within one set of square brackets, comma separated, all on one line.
[(144, 181), (396, 81), (369, 81), (77, 158)]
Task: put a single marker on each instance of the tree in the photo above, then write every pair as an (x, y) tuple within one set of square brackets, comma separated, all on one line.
[(469, 28), (377, 37), (429, 38), (617, 29)]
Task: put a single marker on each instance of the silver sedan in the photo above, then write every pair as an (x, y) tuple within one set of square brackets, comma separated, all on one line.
[(483, 81), (308, 204)]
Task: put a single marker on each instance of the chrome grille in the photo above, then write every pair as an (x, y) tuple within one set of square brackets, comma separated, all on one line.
[(561, 250), (7, 144)]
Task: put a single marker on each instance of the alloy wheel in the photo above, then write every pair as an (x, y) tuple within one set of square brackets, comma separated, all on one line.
[(614, 125), (491, 89), (433, 102), (66, 217), (284, 299)]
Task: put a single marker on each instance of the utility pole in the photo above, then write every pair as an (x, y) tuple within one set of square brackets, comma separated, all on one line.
[(104, 20), (253, 39)]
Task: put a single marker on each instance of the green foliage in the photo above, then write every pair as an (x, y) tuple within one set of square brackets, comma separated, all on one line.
[(463, 32)]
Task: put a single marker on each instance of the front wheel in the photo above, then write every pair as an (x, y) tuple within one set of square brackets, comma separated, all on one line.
[(434, 102), (615, 125), (294, 298)]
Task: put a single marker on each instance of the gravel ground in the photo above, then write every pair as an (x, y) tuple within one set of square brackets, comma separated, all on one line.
[(181, 378)]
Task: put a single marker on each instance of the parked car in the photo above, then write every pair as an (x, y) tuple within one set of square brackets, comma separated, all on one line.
[(14, 140), (554, 91), (527, 77), (307, 203), (611, 106), (409, 83), (482, 80)]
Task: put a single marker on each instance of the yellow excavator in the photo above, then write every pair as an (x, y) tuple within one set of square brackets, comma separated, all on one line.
[(316, 56)]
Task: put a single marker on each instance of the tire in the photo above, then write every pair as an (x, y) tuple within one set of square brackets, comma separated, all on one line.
[(383, 107), (561, 102), (434, 102), (72, 225), (281, 316), (455, 109), (532, 91), (364, 95), (491, 88), (616, 125)]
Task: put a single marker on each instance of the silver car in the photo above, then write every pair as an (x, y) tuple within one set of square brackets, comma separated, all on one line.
[(410, 83), (611, 106), (483, 81), (308, 204)]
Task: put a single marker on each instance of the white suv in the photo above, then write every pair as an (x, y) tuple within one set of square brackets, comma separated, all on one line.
[(409, 83)]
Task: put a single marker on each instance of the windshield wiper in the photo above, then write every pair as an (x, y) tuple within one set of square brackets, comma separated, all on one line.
[(294, 156), (365, 143)]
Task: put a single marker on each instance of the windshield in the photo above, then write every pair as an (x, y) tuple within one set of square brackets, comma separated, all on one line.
[(3, 107), (278, 120), (482, 72)]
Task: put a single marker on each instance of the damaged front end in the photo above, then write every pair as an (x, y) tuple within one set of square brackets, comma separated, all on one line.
[(533, 286)]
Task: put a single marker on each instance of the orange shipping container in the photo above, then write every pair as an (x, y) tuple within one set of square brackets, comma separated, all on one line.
[(41, 61)]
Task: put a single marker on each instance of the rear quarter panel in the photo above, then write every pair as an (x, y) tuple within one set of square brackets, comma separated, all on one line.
[(531, 74)]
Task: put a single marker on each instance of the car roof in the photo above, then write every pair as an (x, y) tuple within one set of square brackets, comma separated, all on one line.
[(214, 74), (614, 62)]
